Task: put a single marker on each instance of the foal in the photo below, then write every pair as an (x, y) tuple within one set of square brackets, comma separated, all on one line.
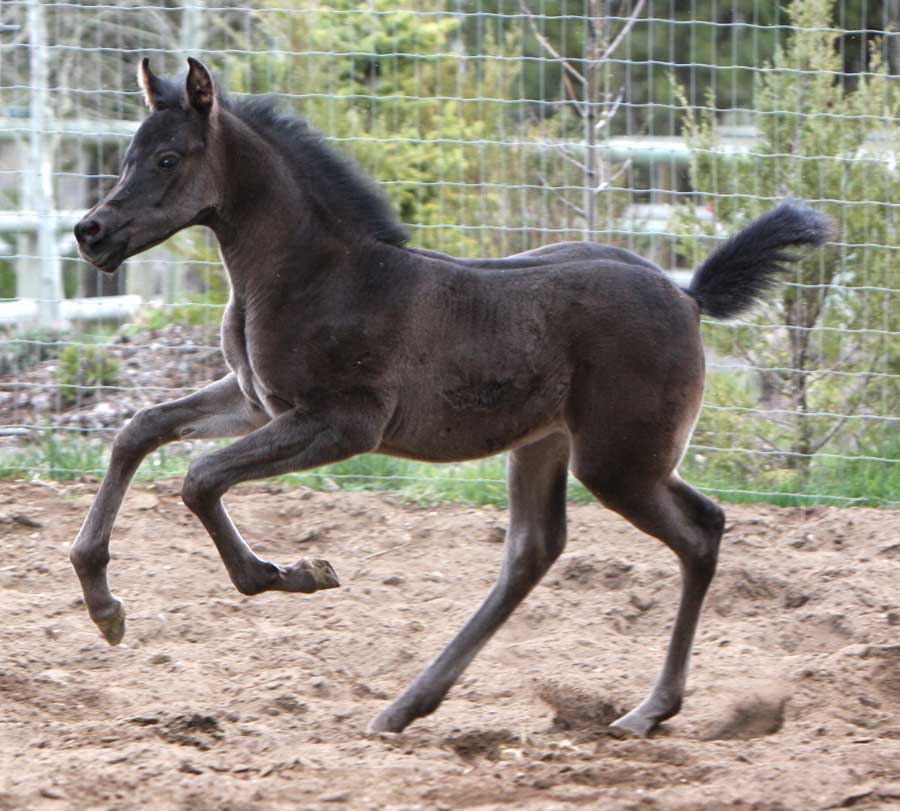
[(342, 341)]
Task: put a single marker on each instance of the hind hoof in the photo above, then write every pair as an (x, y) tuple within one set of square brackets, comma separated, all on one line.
[(633, 725)]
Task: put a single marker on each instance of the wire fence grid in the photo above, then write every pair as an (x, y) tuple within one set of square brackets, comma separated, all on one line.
[(493, 126)]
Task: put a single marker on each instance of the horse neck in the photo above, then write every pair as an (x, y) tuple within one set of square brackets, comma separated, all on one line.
[(264, 223)]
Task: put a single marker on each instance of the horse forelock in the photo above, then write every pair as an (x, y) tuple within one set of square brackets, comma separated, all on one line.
[(165, 94)]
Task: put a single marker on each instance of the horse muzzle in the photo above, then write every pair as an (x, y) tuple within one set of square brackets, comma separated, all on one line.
[(100, 244)]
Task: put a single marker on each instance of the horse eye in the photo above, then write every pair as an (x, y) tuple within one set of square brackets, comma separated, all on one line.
[(167, 162)]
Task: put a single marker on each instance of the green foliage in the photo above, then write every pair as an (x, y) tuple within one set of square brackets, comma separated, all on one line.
[(710, 47), (55, 456), (825, 139), (7, 280), (693, 37), (438, 127), (21, 350), (477, 483), (196, 314), (84, 367), (65, 457)]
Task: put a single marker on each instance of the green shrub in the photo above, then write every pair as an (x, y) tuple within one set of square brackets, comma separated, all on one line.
[(823, 344), (192, 313), (22, 350), (84, 367)]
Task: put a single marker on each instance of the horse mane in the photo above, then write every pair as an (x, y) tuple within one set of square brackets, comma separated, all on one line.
[(333, 180)]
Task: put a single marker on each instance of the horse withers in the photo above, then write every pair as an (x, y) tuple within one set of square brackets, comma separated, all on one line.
[(342, 340)]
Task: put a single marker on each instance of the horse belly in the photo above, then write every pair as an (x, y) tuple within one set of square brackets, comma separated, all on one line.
[(472, 419)]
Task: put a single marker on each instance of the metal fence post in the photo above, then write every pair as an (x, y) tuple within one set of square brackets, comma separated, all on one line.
[(39, 196), (190, 43)]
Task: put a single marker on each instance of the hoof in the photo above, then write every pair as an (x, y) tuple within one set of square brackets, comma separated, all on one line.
[(387, 722), (112, 622), (633, 724), (309, 575)]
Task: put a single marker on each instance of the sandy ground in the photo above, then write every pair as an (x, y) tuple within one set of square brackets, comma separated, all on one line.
[(216, 702)]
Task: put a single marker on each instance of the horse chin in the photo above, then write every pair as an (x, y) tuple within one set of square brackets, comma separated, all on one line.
[(109, 261), (109, 266), (135, 246)]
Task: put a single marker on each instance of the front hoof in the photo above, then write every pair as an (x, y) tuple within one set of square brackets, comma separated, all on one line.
[(324, 574), (309, 575), (111, 622), (388, 721)]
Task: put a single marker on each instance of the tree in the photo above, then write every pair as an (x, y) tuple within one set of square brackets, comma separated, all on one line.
[(593, 102), (396, 90), (828, 368)]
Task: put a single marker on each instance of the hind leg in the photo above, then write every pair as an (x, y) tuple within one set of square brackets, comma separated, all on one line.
[(691, 526), (535, 539)]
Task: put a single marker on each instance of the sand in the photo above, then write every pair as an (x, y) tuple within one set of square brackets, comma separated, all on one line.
[(218, 702)]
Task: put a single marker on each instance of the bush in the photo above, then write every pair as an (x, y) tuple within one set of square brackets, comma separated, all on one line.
[(84, 367), (23, 350), (822, 346)]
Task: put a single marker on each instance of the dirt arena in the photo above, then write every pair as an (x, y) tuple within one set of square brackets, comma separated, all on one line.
[(216, 702)]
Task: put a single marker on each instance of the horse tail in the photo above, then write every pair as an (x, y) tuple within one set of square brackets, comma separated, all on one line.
[(739, 272)]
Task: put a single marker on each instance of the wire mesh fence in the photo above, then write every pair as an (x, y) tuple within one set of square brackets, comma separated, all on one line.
[(493, 126)]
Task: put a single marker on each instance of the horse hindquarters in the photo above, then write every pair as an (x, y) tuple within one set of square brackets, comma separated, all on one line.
[(627, 442)]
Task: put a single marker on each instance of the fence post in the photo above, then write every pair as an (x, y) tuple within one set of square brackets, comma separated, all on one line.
[(38, 194), (190, 42)]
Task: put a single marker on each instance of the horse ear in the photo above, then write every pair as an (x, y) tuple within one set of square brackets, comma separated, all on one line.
[(201, 90), (150, 83)]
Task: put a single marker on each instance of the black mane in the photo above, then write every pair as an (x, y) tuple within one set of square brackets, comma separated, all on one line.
[(339, 186)]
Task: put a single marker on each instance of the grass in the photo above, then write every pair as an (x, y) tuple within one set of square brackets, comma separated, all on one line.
[(863, 482), (55, 457), (830, 481)]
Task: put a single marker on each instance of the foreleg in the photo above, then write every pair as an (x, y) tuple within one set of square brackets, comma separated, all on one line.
[(535, 539), (293, 441), (218, 410)]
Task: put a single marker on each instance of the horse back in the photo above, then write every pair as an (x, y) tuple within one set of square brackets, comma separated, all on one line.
[(555, 254)]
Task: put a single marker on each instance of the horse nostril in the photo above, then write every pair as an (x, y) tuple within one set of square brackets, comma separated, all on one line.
[(88, 231)]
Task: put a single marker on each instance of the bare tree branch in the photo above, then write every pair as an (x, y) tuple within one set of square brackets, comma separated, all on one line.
[(574, 161), (611, 113), (561, 199), (609, 181), (545, 43), (623, 31), (820, 443), (828, 436)]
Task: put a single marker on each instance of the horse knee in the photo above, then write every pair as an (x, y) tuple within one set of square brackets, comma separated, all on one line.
[(88, 560), (709, 515), (530, 555), (143, 433), (199, 490)]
